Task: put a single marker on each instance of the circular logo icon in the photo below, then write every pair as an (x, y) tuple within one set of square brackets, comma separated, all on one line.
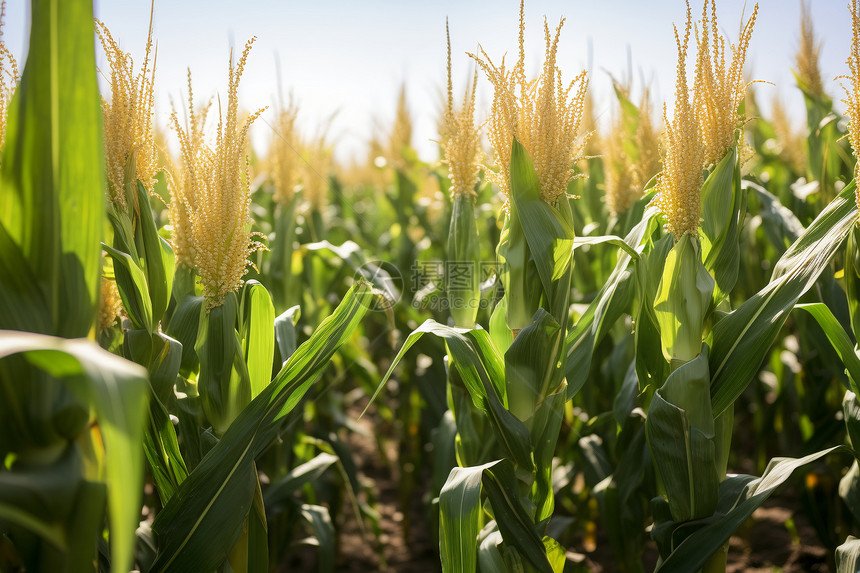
[(386, 281)]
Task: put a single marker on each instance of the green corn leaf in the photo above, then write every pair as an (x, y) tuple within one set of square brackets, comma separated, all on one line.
[(183, 327), (24, 303), (781, 226), (460, 517), (250, 553), (258, 335), (740, 496), (280, 263), (160, 354), (680, 432), (319, 520), (258, 534), (723, 208), (629, 119), (118, 391), (849, 490), (851, 414), (475, 358), (613, 299), (312, 470), (544, 432), (159, 257), (548, 232), (161, 447), (852, 278), (683, 300), (742, 338), (848, 556), (285, 331), (204, 518), (54, 498), (531, 364), (51, 532), (52, 183), (610, 239), (500, 334), (651, 366), (838, 338), (133, 288), (224, 385), (463, 281), (518, 274), (490, 549)]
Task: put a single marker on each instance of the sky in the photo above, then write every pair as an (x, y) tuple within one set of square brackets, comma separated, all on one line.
[(349, 58)]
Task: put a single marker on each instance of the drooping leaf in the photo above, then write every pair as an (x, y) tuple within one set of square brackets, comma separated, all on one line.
[(119, 393), (742, 338), (740, 496)]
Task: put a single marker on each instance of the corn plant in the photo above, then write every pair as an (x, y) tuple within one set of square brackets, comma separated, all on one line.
[(73, 415)]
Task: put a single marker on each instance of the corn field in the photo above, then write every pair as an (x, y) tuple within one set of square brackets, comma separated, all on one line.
[(565, 345)]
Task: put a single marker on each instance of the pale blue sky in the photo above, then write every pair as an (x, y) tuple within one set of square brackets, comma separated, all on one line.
[(350, 57)]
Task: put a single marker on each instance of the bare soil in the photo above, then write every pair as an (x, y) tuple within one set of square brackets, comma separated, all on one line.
[(764, 543)]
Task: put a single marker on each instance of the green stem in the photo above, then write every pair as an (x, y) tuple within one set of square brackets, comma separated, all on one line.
[(716, 563)]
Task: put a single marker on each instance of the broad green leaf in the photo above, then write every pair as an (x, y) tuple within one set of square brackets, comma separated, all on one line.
[(742, 338), (258, 335), (518, 274), (24, 302), (610, 239), (849, 490), (851, 414), (184, 325), (680, 433), (740, 496), (531, 364), (51, 532), (544, 429), (683, 300), (723, 208), (53, 497), (514, 521), (163, 455), (460, 516), (52, 183), (160, 354), (133, 288), (224, 386), (780, 224), (499, 332), (489, 549), (651, 366), (308, 472), (462, 268), (852, 279), (258, 534), (460, 519), (119, 393), (838, 338), (159, 257), (280, 263), (548, 232)]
